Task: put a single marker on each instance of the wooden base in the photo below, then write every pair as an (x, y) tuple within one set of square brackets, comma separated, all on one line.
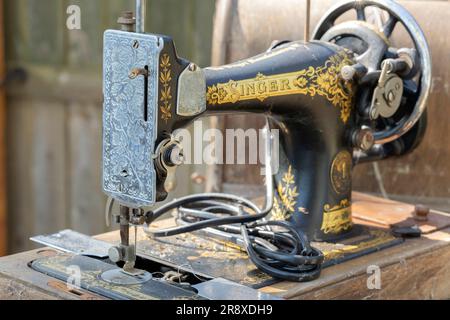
[(416, 269)]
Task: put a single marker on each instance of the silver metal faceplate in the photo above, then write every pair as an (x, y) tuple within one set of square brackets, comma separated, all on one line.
[(129, 140)]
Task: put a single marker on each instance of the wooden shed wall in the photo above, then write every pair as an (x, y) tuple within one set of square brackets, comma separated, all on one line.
[(420, 177), (54, 118)]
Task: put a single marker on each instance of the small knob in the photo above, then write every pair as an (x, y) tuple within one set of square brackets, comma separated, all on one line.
[(115, 254), (350, 72), (127, 21), (175, 156), (421, 212)]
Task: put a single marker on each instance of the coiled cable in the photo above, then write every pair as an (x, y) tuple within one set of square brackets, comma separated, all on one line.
[(275, 247)]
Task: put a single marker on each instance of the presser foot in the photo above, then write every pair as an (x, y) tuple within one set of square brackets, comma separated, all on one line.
[(128, 275), (129, 269)]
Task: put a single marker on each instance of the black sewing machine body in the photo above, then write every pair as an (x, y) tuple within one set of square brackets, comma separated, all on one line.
[(297, 86), (345, 97)]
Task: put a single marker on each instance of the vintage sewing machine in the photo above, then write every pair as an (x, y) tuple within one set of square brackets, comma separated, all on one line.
[(343, 97)]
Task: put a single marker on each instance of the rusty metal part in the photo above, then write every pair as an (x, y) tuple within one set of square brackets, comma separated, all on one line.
[(127, 21), (421, 212), (79, 294), (135, 72)]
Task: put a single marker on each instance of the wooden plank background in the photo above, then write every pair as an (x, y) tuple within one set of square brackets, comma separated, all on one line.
[(420, 177), (424, 175), (54, 118), (3, 221)]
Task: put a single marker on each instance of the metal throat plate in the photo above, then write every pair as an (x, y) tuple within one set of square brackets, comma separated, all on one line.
[(62, 267), (129, 116)]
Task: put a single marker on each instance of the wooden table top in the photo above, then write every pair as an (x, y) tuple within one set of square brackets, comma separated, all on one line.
[(416, 269)]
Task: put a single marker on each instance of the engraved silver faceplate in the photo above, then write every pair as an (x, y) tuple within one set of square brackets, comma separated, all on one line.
[(129, 137)]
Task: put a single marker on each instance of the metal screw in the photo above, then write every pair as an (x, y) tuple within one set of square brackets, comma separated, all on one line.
[(135, 44), (391, 96), (192, 67), (364, 138), (374, 113), (348, 72)]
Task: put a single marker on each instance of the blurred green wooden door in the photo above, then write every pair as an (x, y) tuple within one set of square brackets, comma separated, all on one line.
[(54, 118)]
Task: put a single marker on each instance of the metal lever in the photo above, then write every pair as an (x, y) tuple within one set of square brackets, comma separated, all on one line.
[(388, 93)]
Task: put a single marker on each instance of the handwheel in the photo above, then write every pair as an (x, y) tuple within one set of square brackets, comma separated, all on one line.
[(371, 45)]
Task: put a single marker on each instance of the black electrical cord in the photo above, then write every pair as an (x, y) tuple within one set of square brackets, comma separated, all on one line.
[(275, 247), (284, 254)]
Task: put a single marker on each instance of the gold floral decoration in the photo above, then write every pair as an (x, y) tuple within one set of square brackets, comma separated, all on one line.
[(212, 95), (337, 218), (328, 83), (285, 200), (324, 81), (165, 78)]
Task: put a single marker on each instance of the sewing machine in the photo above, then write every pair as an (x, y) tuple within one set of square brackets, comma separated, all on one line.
[(343, 97)]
